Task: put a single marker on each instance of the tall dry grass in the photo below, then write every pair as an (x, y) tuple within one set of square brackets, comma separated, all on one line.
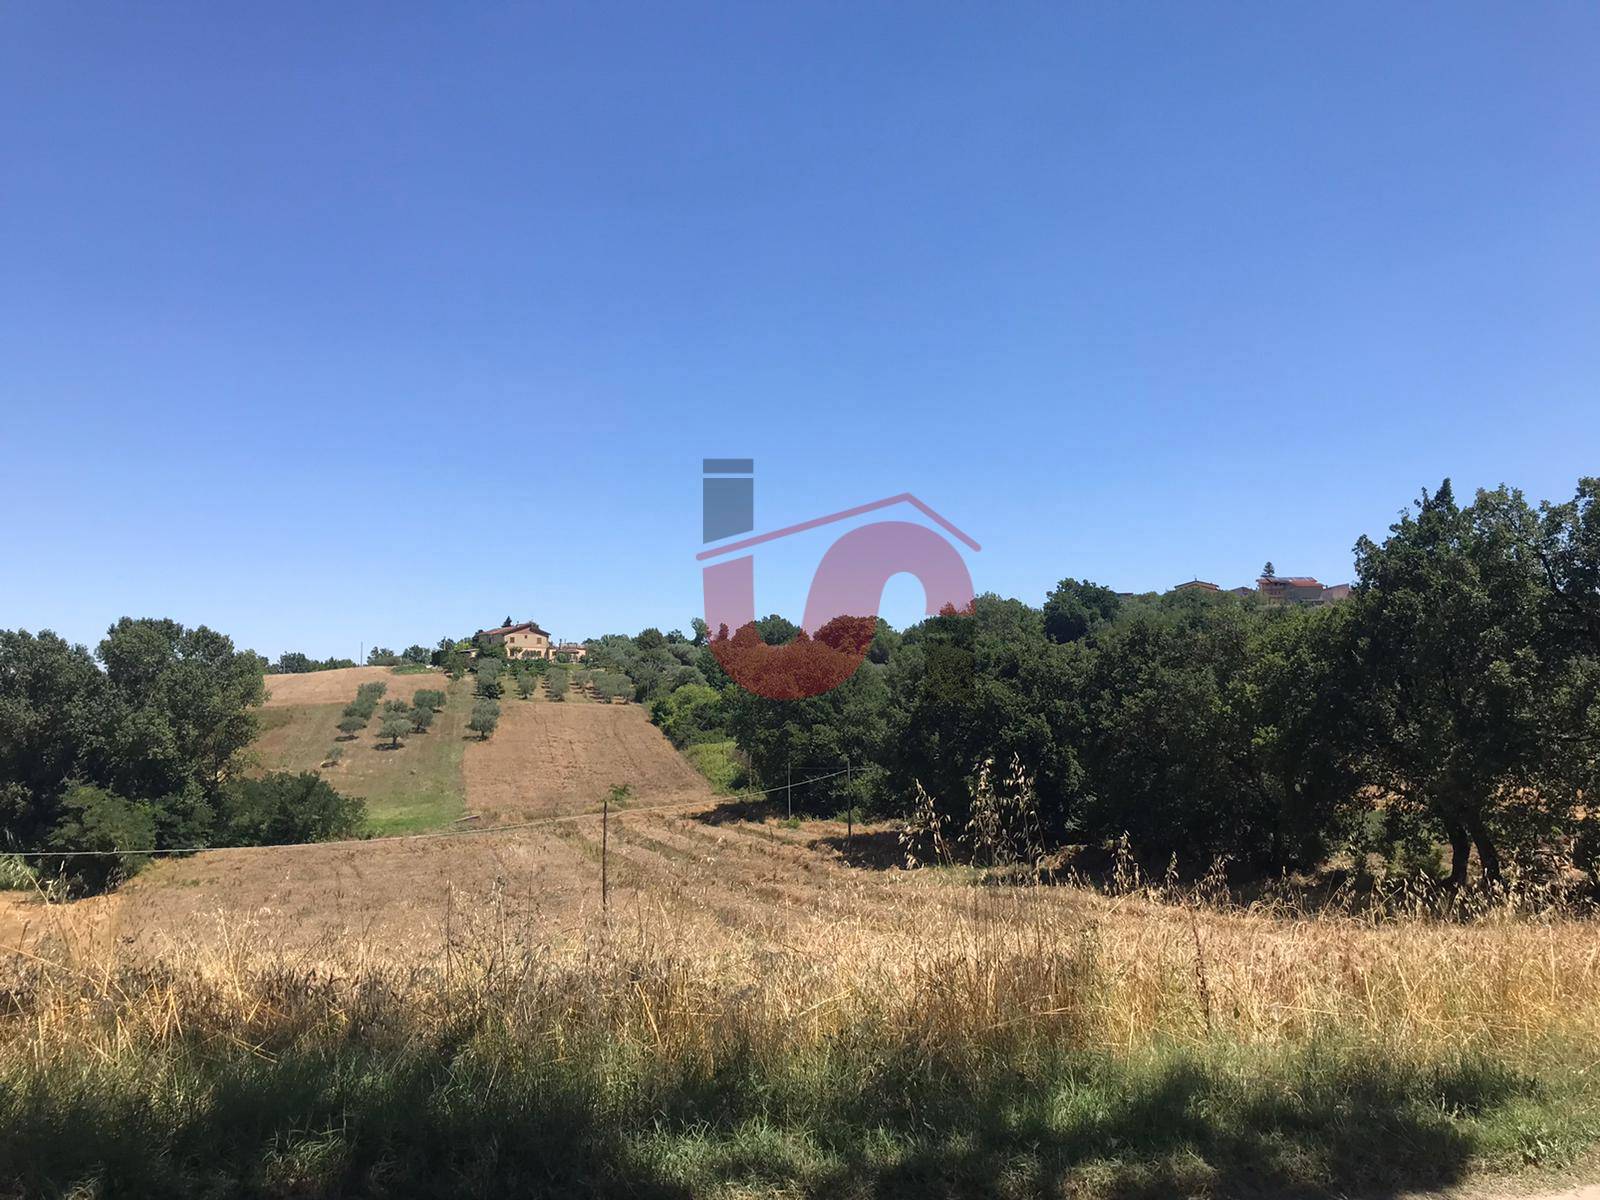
[(1108, 1045)]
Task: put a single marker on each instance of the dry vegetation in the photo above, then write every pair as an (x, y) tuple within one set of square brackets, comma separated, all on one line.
[(758, 1012), (763, 1008)]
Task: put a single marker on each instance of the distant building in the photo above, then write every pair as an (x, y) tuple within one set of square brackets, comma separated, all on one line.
[(1299, 589), (1197, 585), (575, 651), (523, 640)]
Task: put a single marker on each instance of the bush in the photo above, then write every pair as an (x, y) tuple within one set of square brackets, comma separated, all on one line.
[(372, 691), (485, 716), (335, 753), (525, 685), (17, 874), (285, 807), (352, 725), (421, 718), (556, 682), (428, 698), (95, 819), (396, 706), (395, 726)]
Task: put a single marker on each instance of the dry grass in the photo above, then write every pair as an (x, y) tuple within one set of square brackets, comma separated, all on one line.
[(757, 1017)]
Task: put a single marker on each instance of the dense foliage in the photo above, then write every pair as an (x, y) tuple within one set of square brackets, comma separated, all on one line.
[(1452, 700), (132, 748)]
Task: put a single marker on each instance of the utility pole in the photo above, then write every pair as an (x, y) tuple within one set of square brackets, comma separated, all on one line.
[(788, 791), (605, 837)]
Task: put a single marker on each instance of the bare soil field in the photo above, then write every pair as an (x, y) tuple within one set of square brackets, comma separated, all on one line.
[(326, 687), (549, 759)]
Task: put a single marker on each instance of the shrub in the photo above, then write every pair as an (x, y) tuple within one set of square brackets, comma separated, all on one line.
[(485, 716), (395, 726), (396, 706), (428, 698), (93, 818), (16, 874), (372, 691), (525, 685), (352, 725), (556, 682), (335, 753), (285, 807), (489, 682), (421, 718)]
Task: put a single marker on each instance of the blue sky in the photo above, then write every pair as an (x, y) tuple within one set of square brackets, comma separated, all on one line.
[(327, 324)]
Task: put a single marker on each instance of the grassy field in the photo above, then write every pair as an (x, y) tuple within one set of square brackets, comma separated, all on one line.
[(415, 787)]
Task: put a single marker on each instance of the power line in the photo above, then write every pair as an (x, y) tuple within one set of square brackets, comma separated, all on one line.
[(410, 837)]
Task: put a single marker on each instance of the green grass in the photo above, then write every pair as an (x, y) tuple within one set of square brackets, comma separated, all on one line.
[(473, 1111), (411, 669), (718, 763), (407, 790)]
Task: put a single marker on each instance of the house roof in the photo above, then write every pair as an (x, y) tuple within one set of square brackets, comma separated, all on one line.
[(1197, 583), (1292, 580)]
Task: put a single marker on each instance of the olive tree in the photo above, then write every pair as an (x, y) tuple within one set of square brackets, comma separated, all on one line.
[(485, 716)]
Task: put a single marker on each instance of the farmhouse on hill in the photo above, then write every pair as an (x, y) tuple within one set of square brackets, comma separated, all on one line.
[(522, 640)]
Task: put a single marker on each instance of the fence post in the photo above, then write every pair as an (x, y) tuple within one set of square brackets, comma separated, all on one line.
[(605, 838), (788, 792), (849, 807)]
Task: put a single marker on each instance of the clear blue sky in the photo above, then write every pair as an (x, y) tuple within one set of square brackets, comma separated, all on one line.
[(325, 324)]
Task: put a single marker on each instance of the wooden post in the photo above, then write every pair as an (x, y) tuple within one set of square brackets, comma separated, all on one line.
[(605, 837), (788, 792), (849, 807)]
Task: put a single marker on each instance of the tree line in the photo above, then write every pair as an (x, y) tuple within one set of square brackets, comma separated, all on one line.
[(1447, 711), (139, 746)]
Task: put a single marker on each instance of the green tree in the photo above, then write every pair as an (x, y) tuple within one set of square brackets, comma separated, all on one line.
[(394, 727), (283, 808), (489, 680), (691, 714), (525, 684), (555, 683), (428, 698), (1452, 613), (421, 718), (118, 830), (420, 655), (1076, 608), (350, 726), (485, 716)]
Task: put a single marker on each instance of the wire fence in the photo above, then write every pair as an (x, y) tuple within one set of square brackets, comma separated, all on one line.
[(479, 831)]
